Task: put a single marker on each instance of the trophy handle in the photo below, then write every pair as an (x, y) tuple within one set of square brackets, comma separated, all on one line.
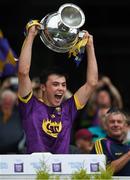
[(81, 33), (32, 23)]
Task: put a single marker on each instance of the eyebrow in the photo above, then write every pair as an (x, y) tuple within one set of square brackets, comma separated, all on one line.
[(59, 82)]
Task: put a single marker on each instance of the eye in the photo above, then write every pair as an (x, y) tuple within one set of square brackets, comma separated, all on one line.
[(119, 121), (55, 84), (64, 84)]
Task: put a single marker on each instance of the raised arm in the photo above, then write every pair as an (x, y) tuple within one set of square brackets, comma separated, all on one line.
[(25, 86), (114, 91), (92, 73)]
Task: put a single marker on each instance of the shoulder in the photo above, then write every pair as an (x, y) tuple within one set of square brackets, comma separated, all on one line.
[(29, 98), (68, 101), (100, 145), (29, 102), (74, 100), (26, 99)]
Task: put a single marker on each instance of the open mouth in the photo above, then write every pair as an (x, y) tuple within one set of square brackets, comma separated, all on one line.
[(58, 96)]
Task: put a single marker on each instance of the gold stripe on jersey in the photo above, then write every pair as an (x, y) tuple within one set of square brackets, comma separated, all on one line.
[(25, 100), (98, 147)]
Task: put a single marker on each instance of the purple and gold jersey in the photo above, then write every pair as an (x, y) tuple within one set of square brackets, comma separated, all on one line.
[(48, 128)]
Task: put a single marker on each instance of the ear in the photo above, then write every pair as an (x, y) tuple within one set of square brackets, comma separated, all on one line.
[(126, 125), (43, 87), (105, 125)]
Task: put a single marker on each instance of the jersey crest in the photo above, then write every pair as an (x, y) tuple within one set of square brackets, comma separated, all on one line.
[(51, 128)]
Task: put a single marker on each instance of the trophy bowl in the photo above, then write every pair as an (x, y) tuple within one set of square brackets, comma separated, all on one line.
[(60, 30)]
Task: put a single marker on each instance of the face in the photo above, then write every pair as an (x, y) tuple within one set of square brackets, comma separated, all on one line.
[(116, 126), (103, 99), (8, 102), (84, 145), (54, 90)]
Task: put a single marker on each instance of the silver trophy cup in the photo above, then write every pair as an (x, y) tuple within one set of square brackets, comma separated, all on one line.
[(60, 30)]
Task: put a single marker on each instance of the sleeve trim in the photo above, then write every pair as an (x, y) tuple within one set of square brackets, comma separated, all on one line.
[(78, 105), (25, 100)]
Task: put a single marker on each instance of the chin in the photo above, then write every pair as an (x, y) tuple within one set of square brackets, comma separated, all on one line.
[(58, 104), (116, 134), (55, 104)]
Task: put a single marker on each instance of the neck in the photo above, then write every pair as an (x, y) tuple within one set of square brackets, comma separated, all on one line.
[(6, 115), (118, 138), (45, 100)]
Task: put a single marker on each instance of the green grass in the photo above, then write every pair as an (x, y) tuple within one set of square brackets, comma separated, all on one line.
[(43, 173)]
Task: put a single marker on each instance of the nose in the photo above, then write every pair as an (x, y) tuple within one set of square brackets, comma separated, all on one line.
[(61, 87), (116, 123)]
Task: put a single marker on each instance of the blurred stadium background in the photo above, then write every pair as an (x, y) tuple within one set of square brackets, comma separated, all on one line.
[(107, 20)]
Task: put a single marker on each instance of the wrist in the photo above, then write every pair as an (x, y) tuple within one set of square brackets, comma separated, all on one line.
[(31, 35), (128, 155), (90, 49)]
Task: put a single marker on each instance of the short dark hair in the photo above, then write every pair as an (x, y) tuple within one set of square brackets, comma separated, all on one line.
[(52, 70)]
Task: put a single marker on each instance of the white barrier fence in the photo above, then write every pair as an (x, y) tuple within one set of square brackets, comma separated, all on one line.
[(56, 164), (25, 167)]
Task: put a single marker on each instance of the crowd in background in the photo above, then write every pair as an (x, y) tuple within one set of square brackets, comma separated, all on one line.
[(101, 122), (91, 125)]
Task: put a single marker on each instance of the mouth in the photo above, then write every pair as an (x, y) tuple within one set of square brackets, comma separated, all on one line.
[(115, 130), (58, 96)]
